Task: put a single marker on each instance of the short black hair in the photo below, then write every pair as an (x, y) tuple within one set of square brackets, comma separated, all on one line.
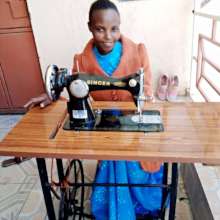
[(101, 4)]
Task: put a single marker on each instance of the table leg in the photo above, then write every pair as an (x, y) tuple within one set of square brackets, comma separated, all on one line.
[(60, 170), (173, 191), (46, 188), (165, 191), (64, 207)]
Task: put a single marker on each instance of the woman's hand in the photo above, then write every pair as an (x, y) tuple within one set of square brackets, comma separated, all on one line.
[(42, 100)]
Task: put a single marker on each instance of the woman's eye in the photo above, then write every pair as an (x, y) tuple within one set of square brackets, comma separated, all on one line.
[(99, 29), (114, 29)]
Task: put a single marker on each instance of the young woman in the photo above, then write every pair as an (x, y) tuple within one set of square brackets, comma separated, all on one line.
[(109, 53)]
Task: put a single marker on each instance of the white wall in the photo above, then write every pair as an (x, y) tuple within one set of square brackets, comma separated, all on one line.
[(165, 26)]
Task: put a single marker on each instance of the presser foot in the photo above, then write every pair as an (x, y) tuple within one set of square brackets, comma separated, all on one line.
[(13, 161)]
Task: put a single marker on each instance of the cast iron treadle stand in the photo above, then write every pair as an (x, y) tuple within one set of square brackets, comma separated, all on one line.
[(70, 206)]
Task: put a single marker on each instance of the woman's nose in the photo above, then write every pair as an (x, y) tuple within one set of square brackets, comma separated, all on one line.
[(108, 35)]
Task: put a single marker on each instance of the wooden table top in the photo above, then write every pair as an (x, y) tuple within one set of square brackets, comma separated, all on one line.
[(192, 134)]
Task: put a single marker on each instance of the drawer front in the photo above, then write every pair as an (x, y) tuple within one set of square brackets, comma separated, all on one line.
[(13, 14)]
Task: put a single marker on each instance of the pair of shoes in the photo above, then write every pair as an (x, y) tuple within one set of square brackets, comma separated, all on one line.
[(168, 87)]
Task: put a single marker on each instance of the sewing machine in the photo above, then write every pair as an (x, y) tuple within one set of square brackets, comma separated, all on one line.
[(81, 114)]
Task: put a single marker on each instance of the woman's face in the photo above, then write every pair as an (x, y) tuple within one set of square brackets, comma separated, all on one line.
[(104, 26)]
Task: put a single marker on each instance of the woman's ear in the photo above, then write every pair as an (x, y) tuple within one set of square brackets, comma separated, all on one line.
[(89, 26)]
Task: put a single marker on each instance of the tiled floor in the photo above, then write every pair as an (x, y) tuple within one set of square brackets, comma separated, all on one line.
[(20, 191), (210, 180)]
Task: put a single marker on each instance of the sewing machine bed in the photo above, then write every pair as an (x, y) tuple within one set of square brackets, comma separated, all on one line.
[(120, 120)]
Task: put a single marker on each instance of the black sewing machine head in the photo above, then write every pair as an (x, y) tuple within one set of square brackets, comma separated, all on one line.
[(80, 84)]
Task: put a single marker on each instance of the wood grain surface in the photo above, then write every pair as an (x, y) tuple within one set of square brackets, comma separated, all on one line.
[(192, 134)]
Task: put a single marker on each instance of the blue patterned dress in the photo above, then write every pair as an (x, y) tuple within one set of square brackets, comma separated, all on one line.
[(123, 203)]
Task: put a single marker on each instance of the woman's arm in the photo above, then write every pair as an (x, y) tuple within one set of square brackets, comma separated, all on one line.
[(42, 100)]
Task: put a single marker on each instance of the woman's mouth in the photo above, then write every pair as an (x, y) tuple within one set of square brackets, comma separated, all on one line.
[(108, 44), (106, 47)]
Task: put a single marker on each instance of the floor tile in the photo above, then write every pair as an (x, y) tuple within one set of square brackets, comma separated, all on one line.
[(9, 120), (216, 216), (214, 201), (89, 167), (34, 206), (3, 132), (18, 173), (210, 180), (3, 158), (217, 171), (178, 99), (12, 199)]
